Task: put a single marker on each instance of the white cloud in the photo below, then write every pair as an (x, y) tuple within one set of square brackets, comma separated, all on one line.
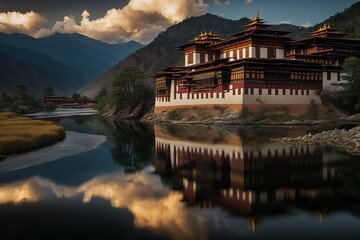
[(285, 22), (248, 1), (306, 25), (26, 23), (140, 20), (219, 2)]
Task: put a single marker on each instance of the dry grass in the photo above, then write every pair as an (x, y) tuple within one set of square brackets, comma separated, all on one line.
[(22, 134)]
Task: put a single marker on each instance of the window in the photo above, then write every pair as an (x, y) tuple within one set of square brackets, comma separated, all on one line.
[(202, 57), (190, 58), (328, 76), (338, 76), (271, 53), (257, 50)]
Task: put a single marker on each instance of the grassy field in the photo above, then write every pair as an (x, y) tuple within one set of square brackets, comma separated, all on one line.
[(22, 134)]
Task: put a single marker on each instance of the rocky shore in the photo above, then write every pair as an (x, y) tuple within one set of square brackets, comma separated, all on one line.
[(346, 140), (233, 118)]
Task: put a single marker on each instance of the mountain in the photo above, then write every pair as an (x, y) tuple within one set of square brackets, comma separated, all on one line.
[(348, 20), (73, 59), (161, 52)]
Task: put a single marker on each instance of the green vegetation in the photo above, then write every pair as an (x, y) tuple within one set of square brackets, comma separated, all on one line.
[(349, 97), (21, 134), (21, 102), (174, 115), (129, 91), (101, 98)]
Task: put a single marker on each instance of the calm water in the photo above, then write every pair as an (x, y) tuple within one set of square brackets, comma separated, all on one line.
[(185, 182)]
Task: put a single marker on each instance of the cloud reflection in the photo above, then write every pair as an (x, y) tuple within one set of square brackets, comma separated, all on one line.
[(154, 205)]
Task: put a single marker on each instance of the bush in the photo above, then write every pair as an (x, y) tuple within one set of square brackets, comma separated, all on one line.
[(174, 115)]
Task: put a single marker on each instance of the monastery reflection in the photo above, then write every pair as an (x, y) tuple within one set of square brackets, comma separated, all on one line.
[(245, 176)]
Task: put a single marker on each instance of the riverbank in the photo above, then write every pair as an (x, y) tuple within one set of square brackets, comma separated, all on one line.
[(74, 143), (223, 116), (21, 134), (345, 140)]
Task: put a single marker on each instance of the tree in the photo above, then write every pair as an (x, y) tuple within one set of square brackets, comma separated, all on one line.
[(48, 91), (75, 96), (349, 97), (21, 91), (102, 93), (128, 87)]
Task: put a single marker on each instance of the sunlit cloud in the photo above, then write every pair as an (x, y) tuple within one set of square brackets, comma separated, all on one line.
[(248, 1), (153, 204), (27, 23), (140, 20)]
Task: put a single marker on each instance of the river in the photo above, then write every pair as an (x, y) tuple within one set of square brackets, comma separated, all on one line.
[(138, 181)]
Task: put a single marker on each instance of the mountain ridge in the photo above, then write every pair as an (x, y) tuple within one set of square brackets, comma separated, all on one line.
[(75, 60)]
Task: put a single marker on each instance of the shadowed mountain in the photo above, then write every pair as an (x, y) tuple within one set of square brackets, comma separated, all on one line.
[(72, 59), (161, 52)]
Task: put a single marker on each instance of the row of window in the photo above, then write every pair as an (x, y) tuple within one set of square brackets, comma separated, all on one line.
[(271, 53), (306, 76), (160, 82), (248, 74), (321, 61), (234, 53)]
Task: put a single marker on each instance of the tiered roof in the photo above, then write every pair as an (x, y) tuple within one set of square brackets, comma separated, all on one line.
[(204, 39), (327, 31)]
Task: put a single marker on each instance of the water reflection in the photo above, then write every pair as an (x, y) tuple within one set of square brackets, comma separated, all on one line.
[(243, 172), (153, 205), (186, 182)]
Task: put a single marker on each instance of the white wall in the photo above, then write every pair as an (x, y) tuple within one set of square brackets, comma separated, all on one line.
[(231, 56), (196, 58), (206, 57), (222, 55), (280, 53), (333, 84), (263, 52), (241, 98), (244, 52), (186, 60), (252, 52), (265, 98)]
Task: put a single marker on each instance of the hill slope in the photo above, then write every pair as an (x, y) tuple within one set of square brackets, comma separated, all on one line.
[(161, 53), (74, 59)]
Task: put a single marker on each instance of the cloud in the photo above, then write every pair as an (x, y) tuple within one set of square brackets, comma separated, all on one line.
[(306, 25), (140, 20), (248, 1), (26, 23), (219, 2), (285, 22), (153, 204)]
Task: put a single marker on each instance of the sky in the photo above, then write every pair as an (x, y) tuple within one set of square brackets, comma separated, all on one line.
[(142, 20)]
